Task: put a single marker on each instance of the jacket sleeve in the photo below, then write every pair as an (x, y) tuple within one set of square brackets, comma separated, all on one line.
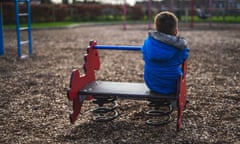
[(185, 54)]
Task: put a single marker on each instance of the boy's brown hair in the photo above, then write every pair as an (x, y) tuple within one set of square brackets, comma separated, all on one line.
[(166, 22)]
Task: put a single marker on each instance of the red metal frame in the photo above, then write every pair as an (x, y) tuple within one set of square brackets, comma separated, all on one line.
[(192, 14)]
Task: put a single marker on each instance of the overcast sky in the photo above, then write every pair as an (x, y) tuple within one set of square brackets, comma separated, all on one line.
[(131, 2)]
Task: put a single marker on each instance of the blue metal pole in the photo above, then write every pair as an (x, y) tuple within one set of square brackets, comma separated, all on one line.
[(29, 27), (1, 33), (108, 47), (17, 29)]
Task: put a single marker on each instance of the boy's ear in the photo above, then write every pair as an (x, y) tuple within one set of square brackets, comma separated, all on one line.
[(176, 32)]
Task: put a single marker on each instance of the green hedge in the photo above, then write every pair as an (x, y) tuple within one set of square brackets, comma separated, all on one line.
[(77, 12)]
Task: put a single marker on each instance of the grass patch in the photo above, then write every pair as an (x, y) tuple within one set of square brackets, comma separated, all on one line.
[(111, 19), (43, 25), (217, 19)]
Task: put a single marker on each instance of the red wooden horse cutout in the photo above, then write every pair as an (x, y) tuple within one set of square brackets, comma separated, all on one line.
[(182, 98), (77, 82)]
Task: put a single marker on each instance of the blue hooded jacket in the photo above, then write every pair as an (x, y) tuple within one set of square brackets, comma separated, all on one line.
[(163, 54)]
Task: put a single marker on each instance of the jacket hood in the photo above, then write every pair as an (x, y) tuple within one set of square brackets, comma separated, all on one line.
[(177, 42), (162, 47)]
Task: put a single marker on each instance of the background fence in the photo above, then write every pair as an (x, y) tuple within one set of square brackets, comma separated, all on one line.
[(86, 12), (97, 12)]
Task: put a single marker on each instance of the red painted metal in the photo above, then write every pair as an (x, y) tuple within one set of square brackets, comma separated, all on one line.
[(172, 6), (210, 12), (77, 82), (192, 14), (182, 99), (124, 15), (149, 14)]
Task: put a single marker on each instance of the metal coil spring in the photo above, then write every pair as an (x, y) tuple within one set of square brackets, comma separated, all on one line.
[(105, 113), (159, 112)]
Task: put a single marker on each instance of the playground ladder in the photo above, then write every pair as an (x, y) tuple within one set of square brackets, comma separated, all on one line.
[(20, 29)]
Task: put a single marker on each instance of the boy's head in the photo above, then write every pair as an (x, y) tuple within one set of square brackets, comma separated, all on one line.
[(166, 22)]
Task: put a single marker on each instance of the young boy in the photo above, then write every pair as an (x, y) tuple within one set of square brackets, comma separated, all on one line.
[(163, 52)]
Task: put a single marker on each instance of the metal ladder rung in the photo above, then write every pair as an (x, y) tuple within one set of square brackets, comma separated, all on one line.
[(23, 14), (23, 28), (19, 29), (24, 42)]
